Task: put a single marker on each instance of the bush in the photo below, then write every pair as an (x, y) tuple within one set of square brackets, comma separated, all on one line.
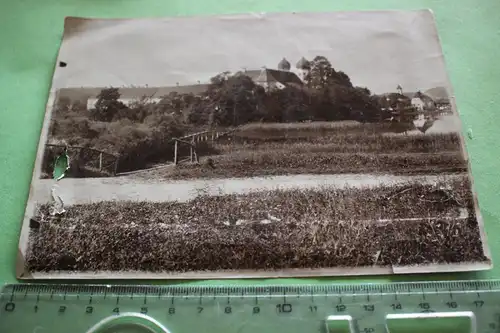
[(139, 134)]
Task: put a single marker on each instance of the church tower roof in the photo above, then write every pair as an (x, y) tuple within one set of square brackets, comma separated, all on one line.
[(284, 65), (303, 63)]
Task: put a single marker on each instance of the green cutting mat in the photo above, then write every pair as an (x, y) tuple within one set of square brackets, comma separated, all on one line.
[(30, 33)]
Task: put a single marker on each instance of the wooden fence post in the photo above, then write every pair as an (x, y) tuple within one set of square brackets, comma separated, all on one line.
[(191, 151), (116, 164), (175, 152), (100, 161)]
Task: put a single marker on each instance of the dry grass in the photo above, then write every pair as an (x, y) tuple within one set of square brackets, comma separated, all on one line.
[(262, 131), (325, 148), (315, 125), (283, 162), (343, 143), (317, 228)]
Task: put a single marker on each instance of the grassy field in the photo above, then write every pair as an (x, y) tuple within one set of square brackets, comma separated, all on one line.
[(264, 230), (346, 143), (260, 149), (248, 163), (324, 148), (260, 130)]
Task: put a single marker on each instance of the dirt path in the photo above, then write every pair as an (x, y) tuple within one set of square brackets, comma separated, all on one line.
[(88, 190)]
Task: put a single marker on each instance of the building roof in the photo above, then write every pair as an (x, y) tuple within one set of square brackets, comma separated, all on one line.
[(424, 97), (303, 63), (284, 65), (272, 76)]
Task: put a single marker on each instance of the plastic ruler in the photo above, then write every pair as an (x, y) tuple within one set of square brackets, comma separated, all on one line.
[(454, 307)]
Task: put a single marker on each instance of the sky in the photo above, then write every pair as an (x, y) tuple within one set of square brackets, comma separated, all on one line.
[(378, 50)]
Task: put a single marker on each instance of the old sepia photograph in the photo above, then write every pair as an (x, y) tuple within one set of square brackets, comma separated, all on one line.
[(252, 145)]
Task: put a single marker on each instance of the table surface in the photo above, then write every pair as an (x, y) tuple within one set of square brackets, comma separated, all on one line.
[(30, 34)]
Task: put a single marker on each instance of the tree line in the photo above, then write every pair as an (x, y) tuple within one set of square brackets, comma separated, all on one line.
[(235, 99)]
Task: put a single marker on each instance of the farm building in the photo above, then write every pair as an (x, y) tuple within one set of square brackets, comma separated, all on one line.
[(435, 99), (421, 101)]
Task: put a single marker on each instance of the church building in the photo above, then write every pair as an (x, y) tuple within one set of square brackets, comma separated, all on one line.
[(281, 77)]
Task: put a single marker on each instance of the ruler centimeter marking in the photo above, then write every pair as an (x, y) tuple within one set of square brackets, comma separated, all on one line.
[(225, 309), (271, 291)]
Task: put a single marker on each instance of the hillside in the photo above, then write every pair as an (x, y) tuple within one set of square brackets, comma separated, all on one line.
[(438, 94)]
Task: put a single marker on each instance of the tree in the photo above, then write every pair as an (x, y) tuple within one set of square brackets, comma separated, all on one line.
[(231, 100), (394, 101), (323, 75), (320, 74), (196, 112), (173, 103), (333, 95), (136, 111), (363, 106), (296, 106), (342, 79), (83, 129), (272, 106), (107, 105)]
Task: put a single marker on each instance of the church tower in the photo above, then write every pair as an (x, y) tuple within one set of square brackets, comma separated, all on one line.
[(303, 67), (284, 65), (400, 89)]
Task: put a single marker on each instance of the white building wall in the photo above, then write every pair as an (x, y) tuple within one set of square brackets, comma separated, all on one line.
[(417, 103)]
